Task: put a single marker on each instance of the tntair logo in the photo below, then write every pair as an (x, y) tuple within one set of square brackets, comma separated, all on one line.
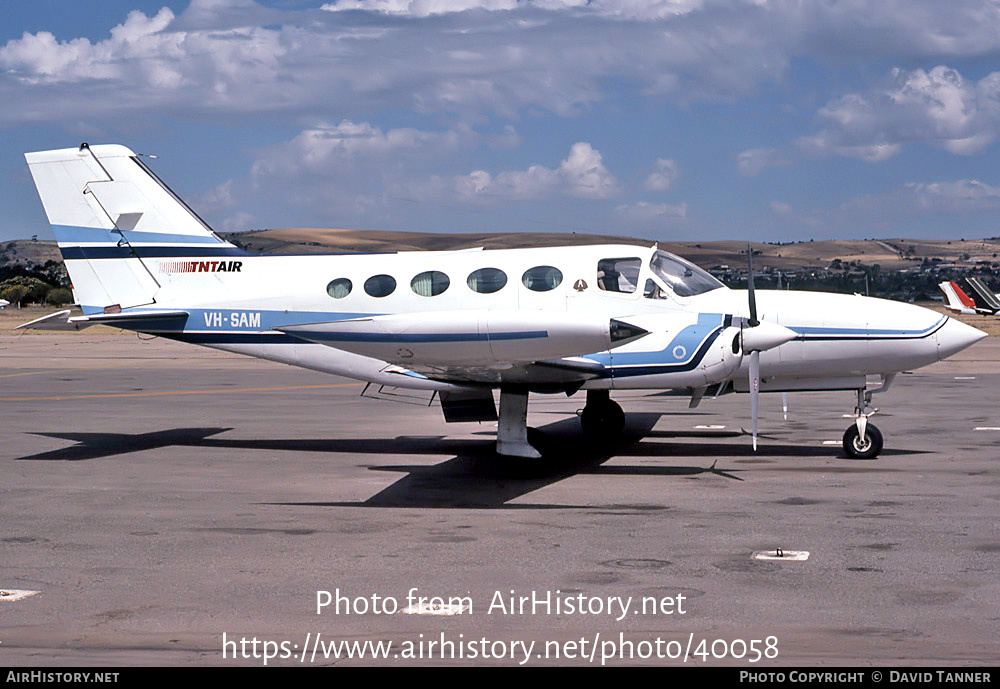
[(201, 266)]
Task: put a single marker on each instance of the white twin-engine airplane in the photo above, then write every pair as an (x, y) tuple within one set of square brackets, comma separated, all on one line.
[(464, 323)]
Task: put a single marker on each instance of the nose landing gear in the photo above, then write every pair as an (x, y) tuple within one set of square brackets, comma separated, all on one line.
[(863, 440), (865, 446)]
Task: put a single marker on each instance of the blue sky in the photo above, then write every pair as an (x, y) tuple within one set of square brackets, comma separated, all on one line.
[(670, 119)]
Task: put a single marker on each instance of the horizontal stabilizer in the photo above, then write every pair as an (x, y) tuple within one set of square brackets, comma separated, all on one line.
[(138, 320), (54, 321), (128, 319)]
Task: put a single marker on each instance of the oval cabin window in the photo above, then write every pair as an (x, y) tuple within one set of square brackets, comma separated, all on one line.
[(487, 280), (339, 288), (430, 283), (380, 285), (542, 278)]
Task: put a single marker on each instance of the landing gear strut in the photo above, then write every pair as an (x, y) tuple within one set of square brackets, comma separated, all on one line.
[(862, 440), (512, 426), (602, 419)]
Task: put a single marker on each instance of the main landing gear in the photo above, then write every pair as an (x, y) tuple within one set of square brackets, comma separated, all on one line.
[(862, 440), (512, 424), (602, 418)]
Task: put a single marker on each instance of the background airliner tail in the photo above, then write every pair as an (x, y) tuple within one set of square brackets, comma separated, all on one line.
[(108, 212), (955, 299), (985, 299)]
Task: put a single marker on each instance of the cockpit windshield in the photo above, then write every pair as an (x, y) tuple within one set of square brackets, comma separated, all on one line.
[(684, 278)]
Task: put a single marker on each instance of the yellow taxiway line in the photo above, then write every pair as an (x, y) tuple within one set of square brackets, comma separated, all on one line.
[(175, 392)]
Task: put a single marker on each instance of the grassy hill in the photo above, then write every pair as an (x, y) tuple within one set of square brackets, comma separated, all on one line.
[(890, 254)]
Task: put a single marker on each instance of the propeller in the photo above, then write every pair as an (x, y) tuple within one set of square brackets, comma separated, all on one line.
[(754, 393), (755, 354), (758, 336)]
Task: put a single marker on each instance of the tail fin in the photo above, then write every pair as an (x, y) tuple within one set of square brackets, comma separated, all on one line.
[(985, 299), (958, 300), (108, 211)]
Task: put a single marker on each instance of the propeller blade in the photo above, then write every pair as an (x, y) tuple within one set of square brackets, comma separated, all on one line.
[(754, 393), (753, 322)]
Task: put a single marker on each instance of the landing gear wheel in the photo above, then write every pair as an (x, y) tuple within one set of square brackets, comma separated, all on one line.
[(536, 439), (603, 422), (862, 448)]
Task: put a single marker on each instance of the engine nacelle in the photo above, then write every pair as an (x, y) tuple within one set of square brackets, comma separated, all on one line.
[(682, 350)]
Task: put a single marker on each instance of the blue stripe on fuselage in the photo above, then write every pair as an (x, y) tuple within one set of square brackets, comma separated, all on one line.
[(234, 325), (202, 320), (809, 333), (682, 350), (413, 338)]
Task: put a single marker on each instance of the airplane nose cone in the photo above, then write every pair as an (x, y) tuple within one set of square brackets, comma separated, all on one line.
[(955, 336)]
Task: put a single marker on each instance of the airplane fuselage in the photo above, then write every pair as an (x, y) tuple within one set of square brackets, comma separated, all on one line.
[(236, 302)]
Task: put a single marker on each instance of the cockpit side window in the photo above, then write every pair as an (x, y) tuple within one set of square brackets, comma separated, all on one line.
[(652, 290), (618, 274), (683, 277)]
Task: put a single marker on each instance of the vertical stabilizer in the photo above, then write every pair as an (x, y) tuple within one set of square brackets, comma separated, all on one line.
[(985, 300), (108, 211), (956, 299)]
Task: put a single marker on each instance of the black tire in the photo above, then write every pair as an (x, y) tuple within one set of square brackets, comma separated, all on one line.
[(536, 439), (604, 422), (858, 448)]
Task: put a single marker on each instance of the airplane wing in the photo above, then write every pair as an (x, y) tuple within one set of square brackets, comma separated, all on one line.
[(488, 346), (557, 374)]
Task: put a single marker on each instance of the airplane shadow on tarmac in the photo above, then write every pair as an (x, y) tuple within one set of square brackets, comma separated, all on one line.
[(474, 477)]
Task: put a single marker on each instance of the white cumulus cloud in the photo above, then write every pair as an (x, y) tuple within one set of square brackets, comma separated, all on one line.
[(665, 174), (937, 106), (582, 175), (752, 161), (475, 57), (643, 212), (331, 149)]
